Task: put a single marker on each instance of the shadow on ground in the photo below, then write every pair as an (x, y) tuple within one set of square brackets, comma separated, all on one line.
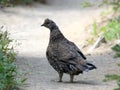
[(41, 75)]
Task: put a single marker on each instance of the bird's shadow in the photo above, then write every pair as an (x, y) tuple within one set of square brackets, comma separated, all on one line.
[(88, 82)]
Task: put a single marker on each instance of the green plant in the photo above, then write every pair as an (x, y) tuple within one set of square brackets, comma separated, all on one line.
[(95, 29), (5, 2), (86, 4), (116, 48), (109, 28), (113, 77), (114, 3), (8, 68), (116, 77), (21, 1), (14, 2)]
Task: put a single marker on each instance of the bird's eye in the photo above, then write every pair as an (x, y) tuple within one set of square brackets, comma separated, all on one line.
[(47, 22)]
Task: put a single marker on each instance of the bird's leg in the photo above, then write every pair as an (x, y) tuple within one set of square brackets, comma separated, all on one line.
[(71, 78), (60, 76)]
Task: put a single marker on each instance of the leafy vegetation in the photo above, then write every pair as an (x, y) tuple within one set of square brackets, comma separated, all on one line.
[(113, 77), (14, 2), (116, 48), (108, 27), (8, 68), (116, 77), (86, 4), (110, 31)]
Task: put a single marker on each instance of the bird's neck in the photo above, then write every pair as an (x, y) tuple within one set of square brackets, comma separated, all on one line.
[(56, 35)]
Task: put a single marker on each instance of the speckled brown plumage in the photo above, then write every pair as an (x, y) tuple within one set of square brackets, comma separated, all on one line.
[(63, 55)]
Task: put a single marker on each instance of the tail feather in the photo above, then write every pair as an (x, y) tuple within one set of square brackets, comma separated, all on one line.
[(91, 66)]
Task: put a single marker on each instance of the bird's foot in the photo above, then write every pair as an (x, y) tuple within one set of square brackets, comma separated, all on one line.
[(71, 81), (60, 81), (60, 77), (71, 78)]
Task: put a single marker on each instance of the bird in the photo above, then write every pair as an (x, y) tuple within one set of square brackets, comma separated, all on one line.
[(63, 55)]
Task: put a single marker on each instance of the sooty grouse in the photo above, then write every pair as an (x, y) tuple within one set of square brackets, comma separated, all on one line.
[(63, 55)]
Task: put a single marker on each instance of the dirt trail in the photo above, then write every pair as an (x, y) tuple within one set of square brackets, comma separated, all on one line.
[(23, 22)]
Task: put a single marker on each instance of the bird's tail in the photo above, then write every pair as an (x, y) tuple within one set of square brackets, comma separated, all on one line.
[(91, 66)]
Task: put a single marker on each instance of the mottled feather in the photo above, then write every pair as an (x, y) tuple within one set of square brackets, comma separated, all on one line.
[(63, 55)]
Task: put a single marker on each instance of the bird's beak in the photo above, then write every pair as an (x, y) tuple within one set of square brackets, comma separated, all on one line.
[(43, 24)]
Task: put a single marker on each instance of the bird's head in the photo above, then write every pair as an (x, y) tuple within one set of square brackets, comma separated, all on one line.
[(48, 24)]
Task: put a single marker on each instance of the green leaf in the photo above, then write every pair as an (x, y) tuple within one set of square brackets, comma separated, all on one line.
[(23, 80), (112, 77), (116, 48), (95, 28), (118, 82), (1, 55), (117, 89), (86, 4), (118, 64)]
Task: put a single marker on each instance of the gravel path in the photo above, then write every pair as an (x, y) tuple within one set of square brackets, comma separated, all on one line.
[(23, 22)]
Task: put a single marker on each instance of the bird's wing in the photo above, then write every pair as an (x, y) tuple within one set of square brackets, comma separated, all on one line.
[(77, 49), (67, 53)]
